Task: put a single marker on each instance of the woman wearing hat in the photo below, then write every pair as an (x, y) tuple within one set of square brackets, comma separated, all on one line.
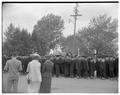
[(34, 75)]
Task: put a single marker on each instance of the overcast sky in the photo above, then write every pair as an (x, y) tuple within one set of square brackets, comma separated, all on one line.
[(26, 15)]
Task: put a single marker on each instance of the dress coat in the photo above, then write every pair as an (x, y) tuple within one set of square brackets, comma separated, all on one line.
[(46, 77)]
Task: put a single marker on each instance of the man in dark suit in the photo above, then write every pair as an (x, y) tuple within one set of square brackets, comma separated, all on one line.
[(46, 76), (85, 67), (102, 68), (57, 66), (111, 67), (98, 62), (67, 66), (107, 61), (72, 67), (78, 67), (116, 66), (61, 65), (92, 67)]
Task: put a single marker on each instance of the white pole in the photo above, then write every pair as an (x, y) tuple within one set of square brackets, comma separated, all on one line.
[(78, 52)]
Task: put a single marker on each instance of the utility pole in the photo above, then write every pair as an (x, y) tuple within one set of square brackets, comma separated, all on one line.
[(75, 15)]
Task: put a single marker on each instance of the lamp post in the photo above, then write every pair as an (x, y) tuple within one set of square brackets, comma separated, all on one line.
[(78, 52), (95, 54), (75, 15)]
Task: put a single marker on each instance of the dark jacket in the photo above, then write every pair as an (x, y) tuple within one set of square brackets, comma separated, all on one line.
[(47, 69), (46, 77)]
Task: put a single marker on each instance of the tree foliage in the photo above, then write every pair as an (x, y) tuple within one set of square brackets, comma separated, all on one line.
[(69, 43), (100, 35), (47, 32), (16, 41)]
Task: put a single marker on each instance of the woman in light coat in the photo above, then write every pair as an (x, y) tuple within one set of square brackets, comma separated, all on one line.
[(34, 74)]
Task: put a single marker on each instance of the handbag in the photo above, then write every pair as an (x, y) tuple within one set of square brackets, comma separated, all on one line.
[(28, 79)]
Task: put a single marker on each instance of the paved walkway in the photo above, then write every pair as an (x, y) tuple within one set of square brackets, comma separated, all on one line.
[(72, 85)]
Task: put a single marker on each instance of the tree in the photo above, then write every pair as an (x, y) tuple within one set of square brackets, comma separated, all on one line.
[(9, 33), (79, 45), (16, 41), (22, 42), (47, 32), (100, 35), (8, 37)]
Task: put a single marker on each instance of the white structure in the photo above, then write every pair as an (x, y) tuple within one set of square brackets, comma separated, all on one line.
[(56, 51), (51, 51)]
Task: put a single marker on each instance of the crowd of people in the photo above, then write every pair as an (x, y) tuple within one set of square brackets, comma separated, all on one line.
[(39, 70), (77, 66), (82, 67)]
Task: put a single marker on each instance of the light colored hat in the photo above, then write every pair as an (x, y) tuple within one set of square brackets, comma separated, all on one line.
[(35, 55)]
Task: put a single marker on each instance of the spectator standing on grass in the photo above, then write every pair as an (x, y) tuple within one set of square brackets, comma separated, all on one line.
[(67, 66), (107, 61), (34, 74), (57, 66), (13, 66), (72, 66), (85, 67), (47, 68), (116, 67), (78, 67), (111, 67), (102, 68)]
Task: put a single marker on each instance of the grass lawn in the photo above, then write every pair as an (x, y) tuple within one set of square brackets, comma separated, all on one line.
[(71, 85)]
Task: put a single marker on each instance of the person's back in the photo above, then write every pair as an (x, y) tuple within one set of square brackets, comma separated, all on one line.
[(47, 69), (13, 66), (34, 75), (34, 70), (46, 77)]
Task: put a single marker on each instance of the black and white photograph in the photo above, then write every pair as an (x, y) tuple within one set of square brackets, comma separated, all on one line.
[(60, 47)]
